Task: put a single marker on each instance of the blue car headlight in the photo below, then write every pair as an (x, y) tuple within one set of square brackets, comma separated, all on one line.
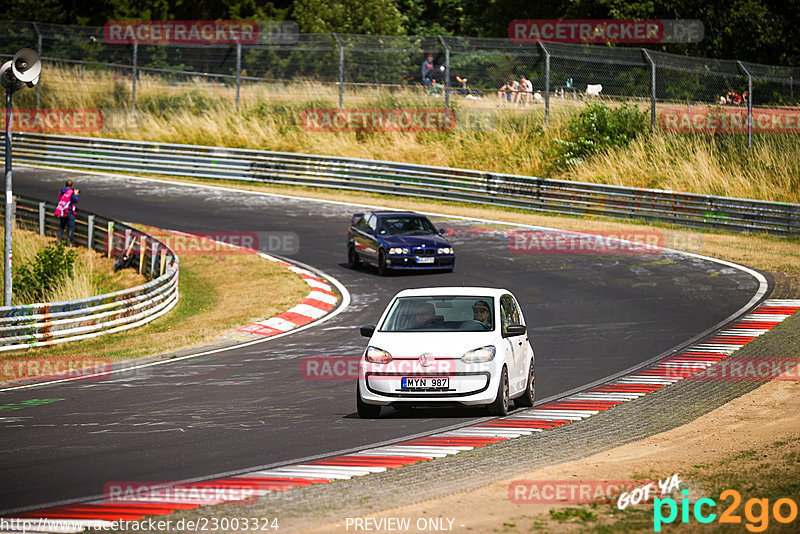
[(398, 250), (445, 250)]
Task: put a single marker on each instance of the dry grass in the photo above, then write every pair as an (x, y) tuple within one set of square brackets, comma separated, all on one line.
[(487, 136), (703, 164)]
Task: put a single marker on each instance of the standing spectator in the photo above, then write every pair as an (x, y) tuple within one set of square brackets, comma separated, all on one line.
[(745, 96), (65, 210), (427, 70), (525, 90), (509, 89)]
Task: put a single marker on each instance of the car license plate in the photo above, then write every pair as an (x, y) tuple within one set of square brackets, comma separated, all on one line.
[(424, 383), (425, 260)]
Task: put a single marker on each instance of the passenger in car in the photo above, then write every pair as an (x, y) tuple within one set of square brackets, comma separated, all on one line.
[(482, 314)]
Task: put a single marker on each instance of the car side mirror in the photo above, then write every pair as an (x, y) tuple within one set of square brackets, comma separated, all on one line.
[(442, 231), (513, 330), (370, 232), (368, 329)]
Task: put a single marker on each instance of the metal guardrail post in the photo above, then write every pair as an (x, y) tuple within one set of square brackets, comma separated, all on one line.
[(9, 217), (341, 70), (153, 257), (446, 72), (90, 232), (42, 210), (135, 75), (142, 250), (238, 71), (652, 63), (749, 104), (110, 238), (546, 82)]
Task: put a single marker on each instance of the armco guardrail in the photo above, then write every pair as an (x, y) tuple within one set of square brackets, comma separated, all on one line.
[(539, 194), (36, 325)]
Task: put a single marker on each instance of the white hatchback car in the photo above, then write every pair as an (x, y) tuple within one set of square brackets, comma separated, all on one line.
[(447, 346)]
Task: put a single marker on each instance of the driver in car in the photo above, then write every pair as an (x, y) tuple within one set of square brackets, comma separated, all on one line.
[(482, 314), (424, 315)]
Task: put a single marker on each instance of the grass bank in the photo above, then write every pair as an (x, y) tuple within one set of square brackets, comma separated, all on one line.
[(486, 137), (93, 273), (218, 293)]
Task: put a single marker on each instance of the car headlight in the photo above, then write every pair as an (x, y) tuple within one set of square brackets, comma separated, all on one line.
[(398, 250), (445, 250), (481, 355), (376, 355)]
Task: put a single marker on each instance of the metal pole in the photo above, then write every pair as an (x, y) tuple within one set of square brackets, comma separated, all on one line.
[(90, 232), (446, 72), (42, 213), (9, 221), (135, 74), (546, 82), (238, 71), (341, 71), (649, 59), (749, 104), (39, 51)]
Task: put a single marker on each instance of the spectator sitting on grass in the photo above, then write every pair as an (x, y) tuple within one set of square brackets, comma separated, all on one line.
[(511, 87), (525, 90)]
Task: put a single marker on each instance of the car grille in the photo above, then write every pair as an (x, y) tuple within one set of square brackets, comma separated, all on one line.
[(419, 251)]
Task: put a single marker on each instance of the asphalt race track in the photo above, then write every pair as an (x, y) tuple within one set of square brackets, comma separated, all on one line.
[(590, 316)]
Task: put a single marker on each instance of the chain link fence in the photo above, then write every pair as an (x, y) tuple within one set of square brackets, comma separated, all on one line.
[(346, 70)]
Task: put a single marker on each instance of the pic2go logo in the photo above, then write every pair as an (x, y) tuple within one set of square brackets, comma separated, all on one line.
[(756, 511)]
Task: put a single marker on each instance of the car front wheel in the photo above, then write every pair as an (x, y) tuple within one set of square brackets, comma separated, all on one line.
[(366, 411), (383, 268), (352, 258), (500, 405)]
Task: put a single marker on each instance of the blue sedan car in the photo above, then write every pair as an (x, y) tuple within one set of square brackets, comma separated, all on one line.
[(397, 240)]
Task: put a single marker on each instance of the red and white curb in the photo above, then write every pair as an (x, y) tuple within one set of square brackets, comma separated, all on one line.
[(674, 368), (318, 303)]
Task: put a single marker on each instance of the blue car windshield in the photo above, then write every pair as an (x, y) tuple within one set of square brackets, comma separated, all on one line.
[(440, 314), (405, 225)]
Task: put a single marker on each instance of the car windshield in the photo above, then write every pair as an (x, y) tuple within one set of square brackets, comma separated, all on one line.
[(440, 314), (405, 224)]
